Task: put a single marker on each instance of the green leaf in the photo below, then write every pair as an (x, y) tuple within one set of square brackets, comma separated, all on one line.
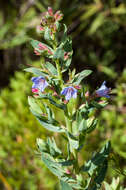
[(74, 142), (67, 45), (65, 33), (83, 125), (54, 150), (52, 101), (47, 124), (34, 105), (107, 186), (35, 45), (50, 67), (92, 125), (65, 186), (97, 105), (54, 167), (97, 159), (47, 34), (36, 71), (80, 76), (59, 54), (41, 145), (50, 126), (67, 162), (49, 113), (101, 172), (99, 176)]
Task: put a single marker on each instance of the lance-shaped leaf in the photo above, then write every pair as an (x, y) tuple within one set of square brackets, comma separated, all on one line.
[(98, 105), (101, 173), (83, 126), (80, 76), (65, 186), (97, 179), (52, 101), (35, 44), (50, 115), (67, 45), (66, 162), (36, 71), (59, 53), (74, 142), (49, 147), (54, 167), (53, 149), (50, 67), (91, 125), (97, 159), (42, 48), (64, 33), (47, 124), (33, 104), (42, 145)]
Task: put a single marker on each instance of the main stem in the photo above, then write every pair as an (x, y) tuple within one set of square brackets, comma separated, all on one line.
[(59, 72), (58, 64), (67, 118), (69, 127)]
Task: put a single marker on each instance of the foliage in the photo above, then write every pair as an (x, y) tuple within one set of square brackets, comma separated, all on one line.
[(98, 31), (80, 120), (19, 163), (115, 185)]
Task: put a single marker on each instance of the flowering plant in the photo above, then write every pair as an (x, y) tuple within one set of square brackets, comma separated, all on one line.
[(52, 93)]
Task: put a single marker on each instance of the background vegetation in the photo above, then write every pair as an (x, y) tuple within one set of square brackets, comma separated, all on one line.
[(98, 30)]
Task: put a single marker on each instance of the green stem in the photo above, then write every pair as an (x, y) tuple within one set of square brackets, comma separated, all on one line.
[(58, 64), (59, 72), (74, 151)]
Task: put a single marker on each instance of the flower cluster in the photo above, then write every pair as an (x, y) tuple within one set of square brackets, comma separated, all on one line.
[(40, 83), (50, 19)]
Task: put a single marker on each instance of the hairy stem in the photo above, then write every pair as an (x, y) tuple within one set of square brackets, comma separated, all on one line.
[(59, 72), (74, 151)]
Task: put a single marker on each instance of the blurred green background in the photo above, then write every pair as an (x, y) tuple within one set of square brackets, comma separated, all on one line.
[(98, 30)]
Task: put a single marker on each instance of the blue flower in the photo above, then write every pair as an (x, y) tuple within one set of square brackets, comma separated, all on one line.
[(69, 92), (39, 83), (103, 91)]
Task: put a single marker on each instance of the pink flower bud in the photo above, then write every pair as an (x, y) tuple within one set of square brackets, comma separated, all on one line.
[(35, 90), (101, 102), (58, 16), (36, 52), (43, 47), (40, 28), (87, 94), (77, 87), (55, 94), (65, 101), (50, 11), (68, 171), (66, 55)]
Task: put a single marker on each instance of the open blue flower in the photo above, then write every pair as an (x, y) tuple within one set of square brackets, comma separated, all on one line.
[(103, 91), (39, 83), (69, 92)]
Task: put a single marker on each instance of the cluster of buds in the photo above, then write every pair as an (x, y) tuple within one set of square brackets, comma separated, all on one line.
[(50, 20), (42, 47)]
